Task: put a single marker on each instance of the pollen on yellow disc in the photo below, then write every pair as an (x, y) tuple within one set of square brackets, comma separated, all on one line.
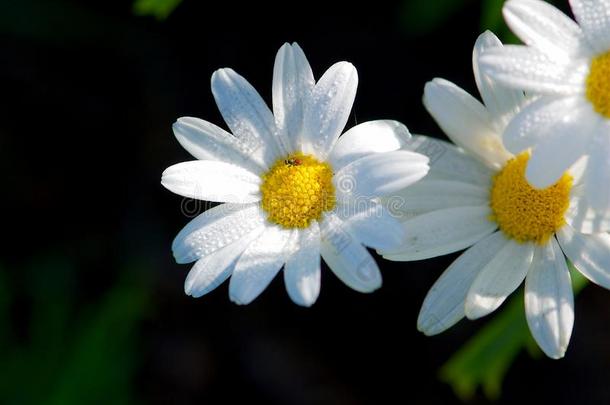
[(296, 190), (598, 84), (523, 212)]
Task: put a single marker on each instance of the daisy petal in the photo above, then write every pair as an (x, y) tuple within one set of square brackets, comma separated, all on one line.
[(582, 217), (347, 258), (532, 124), (302, 270), (259, 264), (212, 270), (214, 229), (366, 138), (549, 301), (554, 155), (432, 195), (292, 84), (501, 102), (372, 224), (531, 70), (447, 162), (206, 141), (444, 303), (212, 181), (543, 26), (246, 114), (328, 109), (590, 254), (465, 121), (441, 232), (597, 176), (379, 174), (499, 278), (594, 19)]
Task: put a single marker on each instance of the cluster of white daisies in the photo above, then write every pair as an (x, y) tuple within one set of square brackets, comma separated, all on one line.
[(525, 184)]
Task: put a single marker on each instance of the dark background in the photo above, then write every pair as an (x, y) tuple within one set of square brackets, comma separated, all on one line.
[(92, 308)]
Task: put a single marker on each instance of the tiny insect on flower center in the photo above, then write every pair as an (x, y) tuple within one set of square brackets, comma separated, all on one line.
[(523, 212), (598, 84), (297, 190)]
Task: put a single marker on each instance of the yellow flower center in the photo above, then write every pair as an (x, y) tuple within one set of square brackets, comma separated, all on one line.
[(598, 84), (523, 212), (297, 190)]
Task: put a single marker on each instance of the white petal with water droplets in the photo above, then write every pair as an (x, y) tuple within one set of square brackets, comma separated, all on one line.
[(346, 257), (597, 175), (328, 109), (259, 264), (293, 82), (465, 121), (582, 217), (529, 69), (448, 162), (432, 195), (246, 114), (590, 254), (532, 125), (372, 224), (502, 102), (549, 301), (379, 174), (366, 138), (302, 271), (594, 19), (444, 303), (441, 232), (543, 26), (499, 278), (558, 151), (212, 270), (215, 229), (206, 141), (212, 181)]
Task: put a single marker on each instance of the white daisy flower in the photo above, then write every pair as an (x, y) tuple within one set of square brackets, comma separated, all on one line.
[(293, 190), (476, 197), (568, 66)]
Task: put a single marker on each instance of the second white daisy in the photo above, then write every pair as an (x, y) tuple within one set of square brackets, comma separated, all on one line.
[(568, 66), (477, 197)]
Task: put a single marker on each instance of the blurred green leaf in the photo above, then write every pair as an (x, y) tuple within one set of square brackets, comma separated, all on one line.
[(102, 359), (485, 359), (5, 300), (71, 355), (491, 15), (421, 17), (160, 9), (491, 19), (46, 284), (57, 21)]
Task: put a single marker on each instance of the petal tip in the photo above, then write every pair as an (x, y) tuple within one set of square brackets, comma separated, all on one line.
[(487, 39), (302, 302), (555, 353), (237, 301), (474, 311)]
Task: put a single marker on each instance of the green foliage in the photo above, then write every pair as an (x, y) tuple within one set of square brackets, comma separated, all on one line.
[(5, 299), (485, 359), (70, 355), (422, 17), (491, 19), (160, 9)]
